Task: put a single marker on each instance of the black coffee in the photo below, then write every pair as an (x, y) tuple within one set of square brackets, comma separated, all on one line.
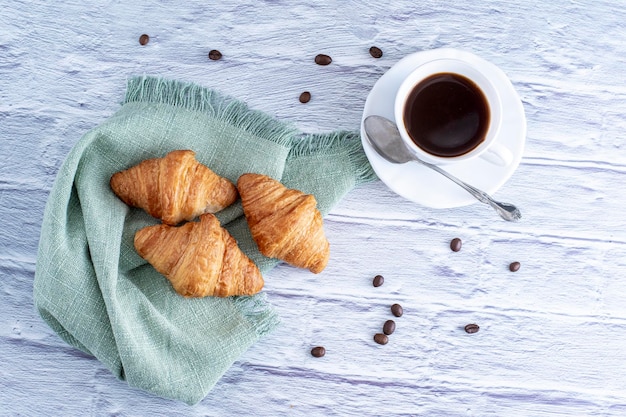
[(446, 115)]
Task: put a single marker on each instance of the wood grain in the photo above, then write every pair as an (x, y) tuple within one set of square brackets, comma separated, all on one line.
[(551, 335)]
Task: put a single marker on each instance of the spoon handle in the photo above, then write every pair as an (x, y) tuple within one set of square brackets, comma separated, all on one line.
[(505, 210)]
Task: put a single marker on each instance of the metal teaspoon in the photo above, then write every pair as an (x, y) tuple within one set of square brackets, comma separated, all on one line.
[(385, 138)]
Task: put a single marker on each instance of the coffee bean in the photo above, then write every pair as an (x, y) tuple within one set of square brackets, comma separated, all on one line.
[(389, 327), (322, 59), (397, 310), (455, 244), (214, 55), (378, 280), (376, 52), (318, 351), (381, 339), (515, 266), (472, 328), (305, 97), (144, 39)]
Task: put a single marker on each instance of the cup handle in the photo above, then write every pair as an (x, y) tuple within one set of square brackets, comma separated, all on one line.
[(498, 155)]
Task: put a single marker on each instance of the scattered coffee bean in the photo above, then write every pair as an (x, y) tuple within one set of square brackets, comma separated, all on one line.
[(472, 328), (144, 39), (397, 310), (515, 266), (305, 97), (214, 55), (322, 59), (318, 351), (381, 339), (378, 280), (389, 327), (455, 244), (376, 52)]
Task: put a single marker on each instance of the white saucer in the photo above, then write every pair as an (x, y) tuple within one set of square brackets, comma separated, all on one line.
[(422, 185)]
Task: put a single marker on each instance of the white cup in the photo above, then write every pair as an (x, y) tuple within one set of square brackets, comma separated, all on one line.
[(486, 148)]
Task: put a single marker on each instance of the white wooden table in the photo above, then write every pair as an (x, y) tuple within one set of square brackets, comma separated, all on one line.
[(552, 335)]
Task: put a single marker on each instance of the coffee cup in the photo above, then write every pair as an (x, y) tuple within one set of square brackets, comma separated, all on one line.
[(448, 111)]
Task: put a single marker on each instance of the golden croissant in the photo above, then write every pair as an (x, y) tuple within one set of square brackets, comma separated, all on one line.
[(174, 188), (199, 258), (284, 223)]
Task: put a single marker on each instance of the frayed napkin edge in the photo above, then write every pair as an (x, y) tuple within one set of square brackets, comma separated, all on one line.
[(346, 142), (210, 102)]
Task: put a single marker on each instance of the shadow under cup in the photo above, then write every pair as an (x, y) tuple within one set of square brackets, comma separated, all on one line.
[(449, 111)]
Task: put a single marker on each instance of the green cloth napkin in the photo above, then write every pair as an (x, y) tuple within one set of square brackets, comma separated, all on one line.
[(99, 296)]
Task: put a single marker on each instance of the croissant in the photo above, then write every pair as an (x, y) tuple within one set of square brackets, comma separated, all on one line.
[(174, 188), (284, 223), (199, 258)]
